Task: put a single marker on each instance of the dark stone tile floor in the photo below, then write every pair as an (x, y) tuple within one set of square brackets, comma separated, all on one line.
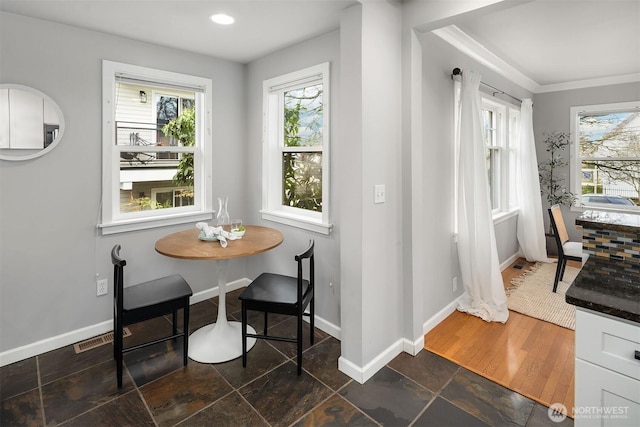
[(68, 389)]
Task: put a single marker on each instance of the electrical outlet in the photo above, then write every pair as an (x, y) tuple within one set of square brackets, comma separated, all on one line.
[(102, 286), (455, 284)]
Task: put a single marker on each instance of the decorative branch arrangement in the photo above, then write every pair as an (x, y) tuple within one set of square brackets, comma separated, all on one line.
[(551, 183)]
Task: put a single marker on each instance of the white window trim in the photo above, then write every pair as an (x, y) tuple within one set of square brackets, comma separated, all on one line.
[(272, 208), (511, 208), (111, 221), (499, 147), (506, 145), (575, 160)]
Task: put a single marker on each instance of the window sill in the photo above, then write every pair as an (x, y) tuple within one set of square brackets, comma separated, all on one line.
[(297, 221), (149, 223), (504, 216)]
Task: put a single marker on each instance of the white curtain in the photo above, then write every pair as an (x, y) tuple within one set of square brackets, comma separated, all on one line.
[(484, 294), (531, 237)]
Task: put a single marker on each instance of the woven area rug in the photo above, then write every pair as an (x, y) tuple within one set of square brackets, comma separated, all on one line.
[(531, 294)]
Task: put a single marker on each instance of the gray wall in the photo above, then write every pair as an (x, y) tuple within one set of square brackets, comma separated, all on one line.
[(551, 113), (372, 245), (392, 277), (50, 205), (50, 252), (440, 264), (322, 49)]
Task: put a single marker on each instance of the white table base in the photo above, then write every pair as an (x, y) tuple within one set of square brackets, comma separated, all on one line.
[(220, 341)]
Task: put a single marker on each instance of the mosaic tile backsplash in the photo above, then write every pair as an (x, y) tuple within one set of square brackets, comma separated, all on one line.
[(612, 244)]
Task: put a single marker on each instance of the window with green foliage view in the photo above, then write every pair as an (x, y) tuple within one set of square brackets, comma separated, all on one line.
[(296, 149), (156, 146), (302, 151)]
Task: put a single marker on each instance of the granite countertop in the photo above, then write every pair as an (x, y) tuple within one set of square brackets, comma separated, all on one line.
[(599, 220), (608, 286)]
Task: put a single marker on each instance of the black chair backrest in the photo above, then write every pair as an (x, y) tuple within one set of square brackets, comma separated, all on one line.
[(118, 276), (307, 254), (115, 257)]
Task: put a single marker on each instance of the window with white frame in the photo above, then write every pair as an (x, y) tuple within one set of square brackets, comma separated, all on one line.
[(501, 121), (296, 149), (156, 148), (606, 160), (500, 136)]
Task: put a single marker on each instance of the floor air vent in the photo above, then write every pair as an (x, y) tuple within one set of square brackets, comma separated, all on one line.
[(95, 342), (518, 266)]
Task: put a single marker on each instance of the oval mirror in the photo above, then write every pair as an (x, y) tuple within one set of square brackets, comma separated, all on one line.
[(31, 123)]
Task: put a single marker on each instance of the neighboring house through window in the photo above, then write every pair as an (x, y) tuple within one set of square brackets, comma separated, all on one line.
[(296, 149), (606, 160), (156, 150)]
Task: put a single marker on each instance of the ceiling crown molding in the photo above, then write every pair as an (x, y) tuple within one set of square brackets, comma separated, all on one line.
[(470, 47), (581, 84)]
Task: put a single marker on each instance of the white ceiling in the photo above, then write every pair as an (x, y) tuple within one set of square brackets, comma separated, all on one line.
[(559, 41), (549, 41), (261, 27)]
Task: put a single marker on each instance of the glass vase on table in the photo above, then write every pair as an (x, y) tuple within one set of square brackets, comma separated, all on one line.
[(222, 217)]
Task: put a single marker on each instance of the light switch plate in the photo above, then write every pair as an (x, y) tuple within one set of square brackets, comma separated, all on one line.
[(379, 194)]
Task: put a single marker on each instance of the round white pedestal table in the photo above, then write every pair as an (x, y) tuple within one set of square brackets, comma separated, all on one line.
[(220, 341)]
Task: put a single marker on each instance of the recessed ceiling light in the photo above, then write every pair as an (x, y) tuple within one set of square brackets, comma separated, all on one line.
[(222, 19)]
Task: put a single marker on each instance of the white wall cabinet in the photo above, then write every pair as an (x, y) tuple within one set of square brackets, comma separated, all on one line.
[(607, 372), (23, 115)]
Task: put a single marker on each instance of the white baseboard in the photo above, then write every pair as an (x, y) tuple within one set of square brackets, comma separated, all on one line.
[(72, 337), (413, 348), (326, 326), (510, 260), (362, 374), (440, 316), (53, 343)]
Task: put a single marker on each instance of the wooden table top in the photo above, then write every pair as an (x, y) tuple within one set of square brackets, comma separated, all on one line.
[(186, 245)]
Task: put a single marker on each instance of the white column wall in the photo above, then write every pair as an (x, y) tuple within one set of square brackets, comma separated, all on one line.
[(371, 61)]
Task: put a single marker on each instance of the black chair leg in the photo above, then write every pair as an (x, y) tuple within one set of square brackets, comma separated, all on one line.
[(264, 332), (244, 335), (299, 344), (559, 270), (115, 346), (118, 345), (564, 267), (312, 319), (185, 333), (175, 322)]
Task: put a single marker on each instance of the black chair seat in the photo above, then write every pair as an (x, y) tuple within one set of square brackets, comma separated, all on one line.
[(280, 294), (274, 288), (157, 291), (147, 300)]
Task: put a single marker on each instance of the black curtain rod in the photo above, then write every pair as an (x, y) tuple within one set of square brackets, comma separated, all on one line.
[(458, 72)]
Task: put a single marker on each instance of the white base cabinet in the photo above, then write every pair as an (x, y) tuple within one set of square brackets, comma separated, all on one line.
[(607, 372)]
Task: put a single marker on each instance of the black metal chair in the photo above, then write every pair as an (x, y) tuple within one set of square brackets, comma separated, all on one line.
[(144, 301), (567, 251), (276, 293)]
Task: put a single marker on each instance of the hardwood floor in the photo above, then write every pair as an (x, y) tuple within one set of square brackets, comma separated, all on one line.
[(526, 355)]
